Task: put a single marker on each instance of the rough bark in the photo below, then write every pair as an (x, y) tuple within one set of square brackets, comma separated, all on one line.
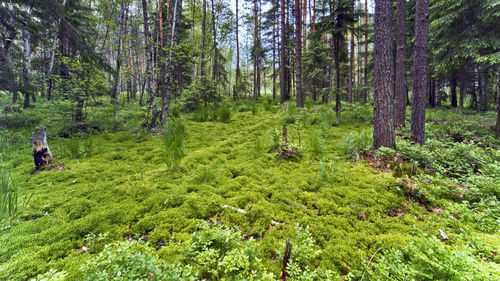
[(214, 69), (27, 60), (41, 150), (383, 125), (401, 59), (432, 92), (237, 55), (203, 43), (298, 55), (483, 80), (365, 90), (351, 65), (149, 70), (116, 76), (453, 91), (462, 93), (497, 127), (420, 71), (175, 12), (274, 48), (284, 96)]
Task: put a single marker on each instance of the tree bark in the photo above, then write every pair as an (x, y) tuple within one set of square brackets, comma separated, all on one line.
[(149, 72), (284, 96), (497, 127), (351, 66), (365, 90), (298, 56), (203, 43), (274, 48), (27, 59), (175, 13), (383, 126), (453, 91), (237, 55), (115, 93), (400, 89), (41, 150), (462, 92), (420, 71)]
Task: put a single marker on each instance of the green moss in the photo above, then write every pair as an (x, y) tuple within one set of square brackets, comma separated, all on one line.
[(125, 188)]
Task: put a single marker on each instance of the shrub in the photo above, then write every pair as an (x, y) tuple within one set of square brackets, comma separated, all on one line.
[(175, 134), (133, 261), (427, 258), (359, 143)]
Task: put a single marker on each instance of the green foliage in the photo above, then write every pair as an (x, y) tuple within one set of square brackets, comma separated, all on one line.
[(223, 113), (199, 93), (218, 253), (357, 143), (303, 263), (357, 113), (427, 258), (9, 195), (316, 144), (132, 261), (76, 148), (174, 138)]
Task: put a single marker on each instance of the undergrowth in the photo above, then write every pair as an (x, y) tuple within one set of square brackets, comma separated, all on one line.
[(124, 190)]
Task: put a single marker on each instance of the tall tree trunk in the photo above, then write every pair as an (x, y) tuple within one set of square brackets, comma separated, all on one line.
[(497, 127), (365, 90), (115, 93), (432, 92), (255, 49), (214, 69), (298, 57), (27, 59), (462, 92), (453, 91), (383, 125), (338, 105), (400, 89), (351, 65), (284, 96), (237, 55), (420, 71), (274, 48), (174, 17), (203, 43), (149, 73), (483, 79)]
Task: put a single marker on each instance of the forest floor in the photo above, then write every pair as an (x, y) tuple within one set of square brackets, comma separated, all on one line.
[(117, 187)]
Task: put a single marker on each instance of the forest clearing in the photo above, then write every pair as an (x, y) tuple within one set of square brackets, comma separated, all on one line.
[(182, 140)]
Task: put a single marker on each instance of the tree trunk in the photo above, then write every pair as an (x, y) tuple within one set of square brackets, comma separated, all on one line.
[(351, 66), (383, 126), (298, 56), (237, 56), (453, 91), (365, 90), (497, 127), (149, 73), (338, 105), (214, 69), (115, 93), (483, 79), (27, 59), (420, 71), (175, 13), (203, 43), (400, 89), (462, 93), (284, 96), (274, 49), (432, 92), (41, 150)]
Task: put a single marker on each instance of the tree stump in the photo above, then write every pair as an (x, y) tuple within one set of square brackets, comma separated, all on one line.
[(286, 259), (41, 151)]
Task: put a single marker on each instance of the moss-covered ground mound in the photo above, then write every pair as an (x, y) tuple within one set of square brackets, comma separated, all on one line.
[(118, 187)]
